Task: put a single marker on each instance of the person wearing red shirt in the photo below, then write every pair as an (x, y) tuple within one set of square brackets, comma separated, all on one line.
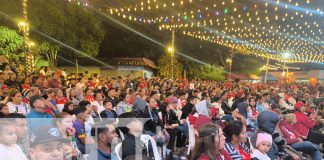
[(210, 144), (305, 124), (60, 100)]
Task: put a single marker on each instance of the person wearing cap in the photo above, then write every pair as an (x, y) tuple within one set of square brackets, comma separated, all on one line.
[(38, 116), (263, 145), (46, 143), (305, 124)]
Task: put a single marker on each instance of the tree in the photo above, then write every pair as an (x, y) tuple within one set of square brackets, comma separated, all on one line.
[(66, 22), (50, 52), (11, 44), (165, 67)]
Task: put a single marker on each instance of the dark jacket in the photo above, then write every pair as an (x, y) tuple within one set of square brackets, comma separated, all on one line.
[(114, 101), (103, 114), (226, 108), (186, 110), (267, 122), (132, 145), (153, 122)]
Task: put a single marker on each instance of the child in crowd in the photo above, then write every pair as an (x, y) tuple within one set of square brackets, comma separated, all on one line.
[(4, 110), (9, 150), (108, 112), (263, 145)]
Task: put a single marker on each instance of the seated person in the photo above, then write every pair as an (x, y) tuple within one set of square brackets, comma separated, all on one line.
[(108, 112), (154, 126), (132, 144), (294, 139)]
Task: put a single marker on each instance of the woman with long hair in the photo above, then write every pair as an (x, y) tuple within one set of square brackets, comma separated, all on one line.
[(210, 144), (236, 136)]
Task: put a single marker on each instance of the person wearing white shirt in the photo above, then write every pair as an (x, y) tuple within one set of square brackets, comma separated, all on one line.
[(98, 103), (16, 105), (9, 150)]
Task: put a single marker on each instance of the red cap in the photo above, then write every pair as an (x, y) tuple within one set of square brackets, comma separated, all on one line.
[(298, 105)]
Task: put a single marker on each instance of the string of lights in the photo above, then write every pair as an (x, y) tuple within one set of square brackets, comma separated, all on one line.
[(264, 28)]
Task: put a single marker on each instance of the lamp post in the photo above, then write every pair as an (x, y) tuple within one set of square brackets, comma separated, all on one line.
[(285, 56), (266, 71), (229, 62)]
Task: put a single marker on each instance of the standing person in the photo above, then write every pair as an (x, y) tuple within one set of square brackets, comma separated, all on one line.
[(236, 136), (105, 133), (263, 145), (82, 140), (16, 105), (38, 116), (9, 150), (124, 105), (305, 124), (210, 144)]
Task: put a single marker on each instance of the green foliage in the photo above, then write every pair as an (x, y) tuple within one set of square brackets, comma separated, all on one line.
[(11, 44), (212, 73), (165, 67), (66, 22)]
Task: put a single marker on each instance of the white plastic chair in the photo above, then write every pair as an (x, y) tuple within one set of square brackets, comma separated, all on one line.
[(146, 139), (191, 138), (117, 150)]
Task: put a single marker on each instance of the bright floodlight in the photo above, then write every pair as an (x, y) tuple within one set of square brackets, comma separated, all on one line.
[(286, 55), (170, 49)]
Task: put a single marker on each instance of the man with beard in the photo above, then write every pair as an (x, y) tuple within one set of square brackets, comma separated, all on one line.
[(105, 134)]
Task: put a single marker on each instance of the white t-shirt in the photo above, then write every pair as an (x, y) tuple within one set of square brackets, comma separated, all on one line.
[(22, 108), (257, 154), (13, 152), (98, 105)]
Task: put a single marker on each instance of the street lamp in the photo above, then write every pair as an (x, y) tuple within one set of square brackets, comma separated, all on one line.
[(229, 62), (285, 56)]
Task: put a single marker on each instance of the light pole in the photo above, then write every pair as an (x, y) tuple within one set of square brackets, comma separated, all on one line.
[(285, 56), (229, 62)]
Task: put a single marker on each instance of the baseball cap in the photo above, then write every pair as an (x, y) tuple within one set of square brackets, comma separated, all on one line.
[(45, 134), (298, 105)]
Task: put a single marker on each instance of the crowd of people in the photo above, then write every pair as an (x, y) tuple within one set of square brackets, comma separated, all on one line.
[(61, 117)]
